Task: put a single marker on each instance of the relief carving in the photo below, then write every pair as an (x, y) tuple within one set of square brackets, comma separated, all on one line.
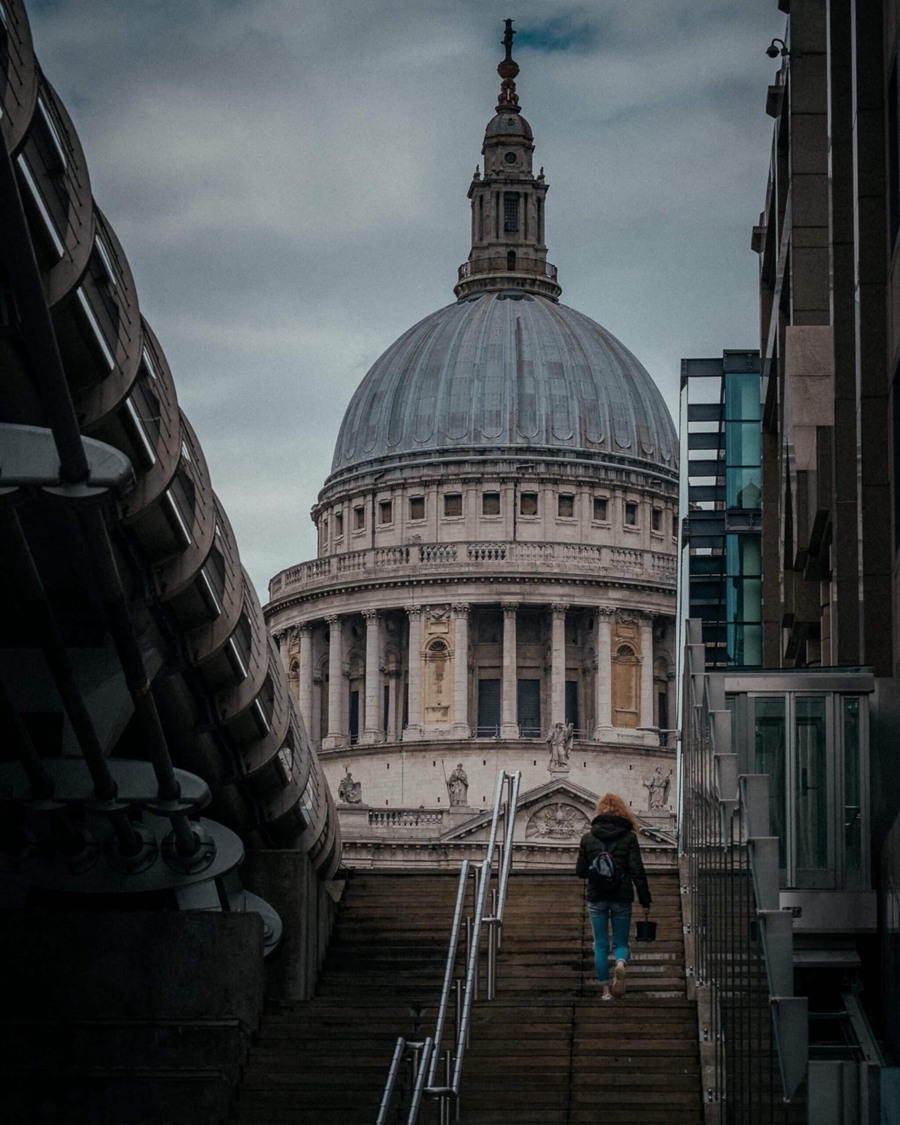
[(557, 822)]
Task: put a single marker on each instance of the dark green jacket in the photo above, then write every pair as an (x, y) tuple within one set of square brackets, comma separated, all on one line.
[(614, 834)]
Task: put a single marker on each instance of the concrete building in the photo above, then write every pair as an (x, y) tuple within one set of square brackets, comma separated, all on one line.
[(164, 822), (792, 769), (495, 579)]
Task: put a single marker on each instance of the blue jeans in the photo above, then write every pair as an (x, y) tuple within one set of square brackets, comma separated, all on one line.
[(601, 914)]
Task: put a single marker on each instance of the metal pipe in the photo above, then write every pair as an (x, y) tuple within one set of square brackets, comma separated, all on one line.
[(27, 579), (399, 1051), (15, 730), (115, 604), (422, 1056), (449, 964), (20, 270)]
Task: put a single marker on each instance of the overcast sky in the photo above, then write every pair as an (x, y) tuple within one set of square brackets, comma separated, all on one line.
[(288, 179)]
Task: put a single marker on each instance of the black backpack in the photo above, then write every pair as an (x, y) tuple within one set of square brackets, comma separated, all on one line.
[(605, 875)]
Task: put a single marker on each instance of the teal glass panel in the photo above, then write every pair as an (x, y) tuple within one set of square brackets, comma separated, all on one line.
[(742, 443), (852, 785), (769, 734), (743, 556), (745, 645), (742, 397), (811, 790), (743, 487)]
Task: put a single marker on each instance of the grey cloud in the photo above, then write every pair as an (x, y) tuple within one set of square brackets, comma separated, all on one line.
[(288, 179)]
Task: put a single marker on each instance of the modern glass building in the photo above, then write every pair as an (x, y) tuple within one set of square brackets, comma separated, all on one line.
[(721, 501)]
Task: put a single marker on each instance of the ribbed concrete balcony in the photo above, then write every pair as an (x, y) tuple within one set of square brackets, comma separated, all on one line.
[(472, 559)]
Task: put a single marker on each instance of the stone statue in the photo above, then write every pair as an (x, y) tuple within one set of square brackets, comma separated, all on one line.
[(458, 786), (559, 742), (658, 789), (349, 791)]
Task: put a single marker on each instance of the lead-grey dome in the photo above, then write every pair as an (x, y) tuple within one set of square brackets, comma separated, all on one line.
[(507, 373)]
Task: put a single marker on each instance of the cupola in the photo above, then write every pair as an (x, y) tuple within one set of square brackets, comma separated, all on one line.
[(508, 248)]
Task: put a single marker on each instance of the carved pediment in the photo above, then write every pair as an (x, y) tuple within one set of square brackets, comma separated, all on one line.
[(559, 812)]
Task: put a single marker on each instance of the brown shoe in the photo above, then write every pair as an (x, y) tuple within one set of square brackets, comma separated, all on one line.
[(618, 988)]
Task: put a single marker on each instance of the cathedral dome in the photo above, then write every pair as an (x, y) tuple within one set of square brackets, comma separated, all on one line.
[(508, 374)]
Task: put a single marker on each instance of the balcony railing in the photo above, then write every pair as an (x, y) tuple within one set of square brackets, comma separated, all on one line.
[(471, 558), (500, 264)]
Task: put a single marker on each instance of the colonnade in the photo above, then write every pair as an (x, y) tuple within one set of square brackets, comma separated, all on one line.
[(440, 634)]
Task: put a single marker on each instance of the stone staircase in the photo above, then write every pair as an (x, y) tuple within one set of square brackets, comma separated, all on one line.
[(546, 1050)]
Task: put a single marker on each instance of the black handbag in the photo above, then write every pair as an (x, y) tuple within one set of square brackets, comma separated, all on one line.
[(646, 930)]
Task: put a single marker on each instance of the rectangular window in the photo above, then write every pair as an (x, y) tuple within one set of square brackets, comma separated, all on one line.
[(510, 212), (528, 701), (417, 507), (453, 504), (572, 703), (811, 795), (566, 506), (359, 518), (528, 503), (488, 708), (656, 519), (770, 737), (600, 507), (385, 512), (490, 503), (852, 786), (631, 514), (338, 525)]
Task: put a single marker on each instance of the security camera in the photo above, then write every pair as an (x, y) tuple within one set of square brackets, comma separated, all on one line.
[(772, 51)]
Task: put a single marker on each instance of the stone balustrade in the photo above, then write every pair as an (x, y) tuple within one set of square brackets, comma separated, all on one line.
[(451, 559)]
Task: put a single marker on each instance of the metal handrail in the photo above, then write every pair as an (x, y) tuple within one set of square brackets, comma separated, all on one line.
[(426, 1053)]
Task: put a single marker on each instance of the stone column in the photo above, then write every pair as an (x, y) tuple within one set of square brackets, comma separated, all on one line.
[(305, 676), (336, 735), (395, 704), (603, 711), (372, 730), (509, 726), (557, 665), (461, 727), (414, 720), (646, 719), (283, 640)]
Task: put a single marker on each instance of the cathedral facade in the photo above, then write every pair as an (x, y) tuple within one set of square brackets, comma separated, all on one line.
[(495, 579)]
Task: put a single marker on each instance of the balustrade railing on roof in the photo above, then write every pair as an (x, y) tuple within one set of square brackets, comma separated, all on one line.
[(577, 558)]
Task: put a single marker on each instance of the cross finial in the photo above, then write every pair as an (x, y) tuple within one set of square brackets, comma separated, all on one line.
[(508, 69)]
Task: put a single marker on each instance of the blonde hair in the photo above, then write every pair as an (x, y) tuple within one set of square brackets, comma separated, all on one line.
[(611, 804)]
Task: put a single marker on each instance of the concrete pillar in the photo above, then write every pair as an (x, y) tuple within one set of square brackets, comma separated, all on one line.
[(603, 721), (305, 676), (646, 719), (557, 664), (414, 720), (509, 725), (336, 735), (461, 727), (372, 730)]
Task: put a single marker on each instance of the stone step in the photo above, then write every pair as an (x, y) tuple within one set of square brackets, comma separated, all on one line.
[(326, 1060)]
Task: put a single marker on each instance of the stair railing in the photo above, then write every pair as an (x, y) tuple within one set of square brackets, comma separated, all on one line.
[(425, 1054)]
